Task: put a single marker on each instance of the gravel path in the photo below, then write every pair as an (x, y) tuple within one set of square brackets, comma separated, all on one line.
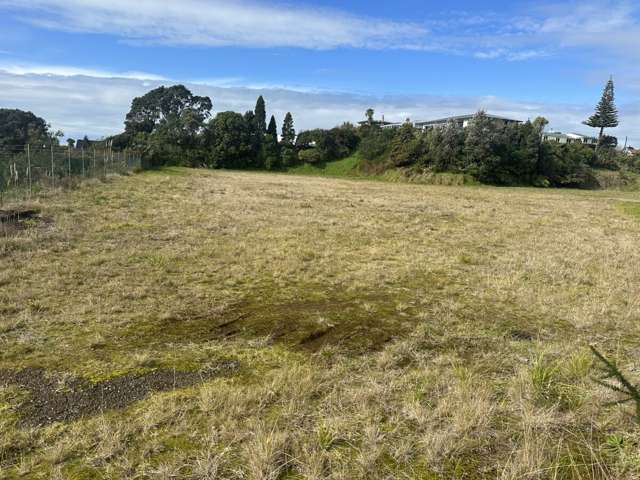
[(51, 400)]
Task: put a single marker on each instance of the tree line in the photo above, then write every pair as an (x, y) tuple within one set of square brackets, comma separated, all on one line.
[(492, 153), (171, 126), (497, 153)]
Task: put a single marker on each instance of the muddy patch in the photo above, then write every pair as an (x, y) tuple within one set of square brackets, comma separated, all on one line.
[(57, 399), (14, 220), (308, 325)]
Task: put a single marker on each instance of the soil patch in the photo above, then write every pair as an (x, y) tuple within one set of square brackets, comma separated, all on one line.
[(18, 219), (308, 325), (56, 398)]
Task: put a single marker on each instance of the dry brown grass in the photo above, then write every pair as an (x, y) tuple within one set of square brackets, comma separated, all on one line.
[(383, 330)]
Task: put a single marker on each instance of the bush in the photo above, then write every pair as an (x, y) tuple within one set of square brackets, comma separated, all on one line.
[(311, 155), (375, 142), (568, 165), (407, 148)]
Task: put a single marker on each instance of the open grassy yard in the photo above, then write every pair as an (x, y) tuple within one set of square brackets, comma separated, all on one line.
[(224, 325)]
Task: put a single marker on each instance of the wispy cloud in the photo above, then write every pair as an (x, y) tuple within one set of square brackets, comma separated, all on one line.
[(510, 55), (97, 106), (70, 71), (535, 30), (217, 23)]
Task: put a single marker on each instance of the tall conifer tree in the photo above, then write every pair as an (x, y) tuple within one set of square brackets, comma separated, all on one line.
[(261, 115), (606, 114), (288, 132), (272, 129)]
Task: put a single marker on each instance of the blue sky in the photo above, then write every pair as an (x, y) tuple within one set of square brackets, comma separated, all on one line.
[(78, 63)]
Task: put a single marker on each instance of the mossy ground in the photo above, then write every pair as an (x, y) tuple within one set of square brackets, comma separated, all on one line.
[(383, 330)]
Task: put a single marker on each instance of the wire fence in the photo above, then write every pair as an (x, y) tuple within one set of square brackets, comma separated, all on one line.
[(26, 170)]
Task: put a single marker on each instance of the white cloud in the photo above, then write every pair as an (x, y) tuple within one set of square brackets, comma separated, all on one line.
[(510, 55), (96, 106), (217, 23), (68, 71), (610, 24), (537, 30)]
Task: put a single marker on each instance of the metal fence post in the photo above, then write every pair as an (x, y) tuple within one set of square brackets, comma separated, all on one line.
[(83, 162), (69, 159), (53, 170), (29, 168)]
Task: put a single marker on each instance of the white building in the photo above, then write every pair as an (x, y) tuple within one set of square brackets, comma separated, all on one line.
[(565, 138), (463, 121)]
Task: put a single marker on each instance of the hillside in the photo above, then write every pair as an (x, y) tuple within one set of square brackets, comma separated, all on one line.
[(216, 324)]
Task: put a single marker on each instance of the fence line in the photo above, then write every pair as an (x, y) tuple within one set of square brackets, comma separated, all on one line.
[(26, 170)]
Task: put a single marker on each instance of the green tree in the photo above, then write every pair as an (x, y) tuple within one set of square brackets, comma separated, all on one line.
[(477, 146), (369, 114), (375, 142), (288, 156), (272, 129), (288, 132), (261, 115), (166, 126), (256, 138), (406, 146), (17, 128), (445, 148), (232, 146), (606, 114), (271, 153), (167, 104)]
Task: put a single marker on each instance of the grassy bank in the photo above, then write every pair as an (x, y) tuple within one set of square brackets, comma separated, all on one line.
[(346, 167), (298, 327)]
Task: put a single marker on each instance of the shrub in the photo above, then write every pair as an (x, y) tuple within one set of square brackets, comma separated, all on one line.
[(311, 155), (375, 142)]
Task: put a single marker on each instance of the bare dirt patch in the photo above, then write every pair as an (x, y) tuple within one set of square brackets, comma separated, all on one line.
[(53, 398), (17, 219), (307, 325)]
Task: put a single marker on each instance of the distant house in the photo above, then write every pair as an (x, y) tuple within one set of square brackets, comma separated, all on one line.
[(86, 144), (380, 123), (632, 152), (565, 138), (463, 121)]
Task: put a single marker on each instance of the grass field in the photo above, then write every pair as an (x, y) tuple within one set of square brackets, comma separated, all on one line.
[(207, 324), (346, 167)]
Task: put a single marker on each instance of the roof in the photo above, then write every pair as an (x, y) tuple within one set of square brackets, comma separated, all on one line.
[(466, 117), (375, 122), (574, 136)]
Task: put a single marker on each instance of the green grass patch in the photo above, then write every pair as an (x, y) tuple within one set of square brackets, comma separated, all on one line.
[(630, 208), (346, 167), (168, 171)]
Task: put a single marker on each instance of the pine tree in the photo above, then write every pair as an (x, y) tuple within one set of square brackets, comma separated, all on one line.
[(477, 146), (256, 139), (261, 115), (272, 129), (288, 132), (606, 114)]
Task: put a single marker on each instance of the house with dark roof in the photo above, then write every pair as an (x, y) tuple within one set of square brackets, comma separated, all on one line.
[(463, 121), (379, 123)]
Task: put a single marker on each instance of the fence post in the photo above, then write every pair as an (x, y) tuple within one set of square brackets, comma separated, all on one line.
[(83, 162), (69, 159), (93, 170), (53, 170), (29, 168)]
